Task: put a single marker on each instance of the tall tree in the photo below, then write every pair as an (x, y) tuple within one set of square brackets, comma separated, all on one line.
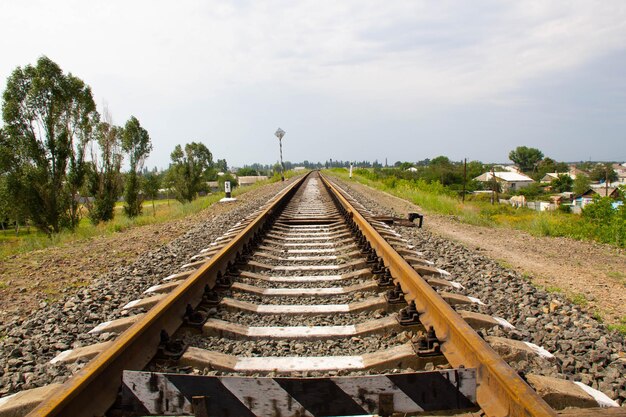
[(247, 171), (221, 165), (136, 143), (549, 165), (189, 170), (603, 172), (104, 182), (562, 183), (526, 158), (150, 187), (582, 183), (49, 118)]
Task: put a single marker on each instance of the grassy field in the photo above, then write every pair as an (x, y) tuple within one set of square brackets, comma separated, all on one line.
[(434, 198), (30, 239)]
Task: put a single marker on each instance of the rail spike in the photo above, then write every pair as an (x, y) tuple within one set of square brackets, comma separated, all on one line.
[(170, 349)]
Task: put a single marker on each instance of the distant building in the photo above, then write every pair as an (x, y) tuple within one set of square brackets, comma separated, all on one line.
[(509, 181), (299, 169), (249, 180), (551, 176), (412, 169), (575, 171), (621, 172), (588, 196), (511, 168), (562, 198)]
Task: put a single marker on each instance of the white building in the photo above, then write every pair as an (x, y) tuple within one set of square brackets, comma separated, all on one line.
[(509, 181)]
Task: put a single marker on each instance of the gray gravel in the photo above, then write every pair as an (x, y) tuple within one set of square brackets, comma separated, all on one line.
[(584, 348), (304, 300), (27, 345), (330, 347), (249, 319), (319, 284)]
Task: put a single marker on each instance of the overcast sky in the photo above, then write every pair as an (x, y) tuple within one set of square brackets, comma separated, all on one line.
[(350, 80)]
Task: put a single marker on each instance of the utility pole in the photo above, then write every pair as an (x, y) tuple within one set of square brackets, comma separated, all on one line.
[(494, 185)]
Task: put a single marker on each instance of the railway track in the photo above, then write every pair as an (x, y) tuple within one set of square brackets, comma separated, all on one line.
[(310, 306)]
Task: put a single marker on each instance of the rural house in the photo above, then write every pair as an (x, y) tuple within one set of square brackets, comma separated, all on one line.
[(551, 176), (509, 181), (588, 196)]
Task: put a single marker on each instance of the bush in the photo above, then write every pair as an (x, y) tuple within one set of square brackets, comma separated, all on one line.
[(565, 208), (247, 172), (609, 224), (532, 191)]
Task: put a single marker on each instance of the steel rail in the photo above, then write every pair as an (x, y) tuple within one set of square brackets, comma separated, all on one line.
[(93, 389), (501, 391)]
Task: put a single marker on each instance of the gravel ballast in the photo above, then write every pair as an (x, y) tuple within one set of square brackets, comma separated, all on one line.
[(27, 345), (585, 349)]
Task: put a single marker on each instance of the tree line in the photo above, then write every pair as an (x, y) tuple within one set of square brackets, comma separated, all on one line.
[(58, 155)]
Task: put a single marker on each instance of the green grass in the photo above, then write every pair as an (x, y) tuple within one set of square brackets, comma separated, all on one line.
[(598, 316), (435, 198), (505, 264), (621, 327), (552, 289), (166, 210), (579, 299)]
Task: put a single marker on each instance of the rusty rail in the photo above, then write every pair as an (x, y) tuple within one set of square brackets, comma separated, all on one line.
[(94, 389), (501, 391)]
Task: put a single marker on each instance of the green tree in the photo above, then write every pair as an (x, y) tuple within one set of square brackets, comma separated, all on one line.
[(104, 177), (549, 165), (532, 191), (246, 171), (150, 187), (189, 170), (136, 143), (582, 183), (474, 169), (403, 165), (562, 183), (221, 165), (49, 118), (526, 158), (12, 206), (601, 210), (11, 211), (602, 172)]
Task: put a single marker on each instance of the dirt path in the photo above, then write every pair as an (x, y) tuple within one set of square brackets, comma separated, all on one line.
[(589, 273)]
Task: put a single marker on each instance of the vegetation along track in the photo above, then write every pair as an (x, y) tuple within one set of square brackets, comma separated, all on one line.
[(310, 306)]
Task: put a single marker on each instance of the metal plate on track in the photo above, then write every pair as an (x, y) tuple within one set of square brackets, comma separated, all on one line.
[(147, 393)]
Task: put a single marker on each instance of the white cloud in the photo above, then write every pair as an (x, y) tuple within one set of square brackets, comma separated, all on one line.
[(387, 59), (449, 51)]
